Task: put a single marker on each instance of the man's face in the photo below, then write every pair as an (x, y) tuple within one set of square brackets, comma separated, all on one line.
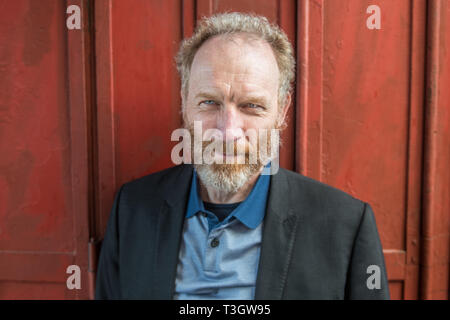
[(233, 87)]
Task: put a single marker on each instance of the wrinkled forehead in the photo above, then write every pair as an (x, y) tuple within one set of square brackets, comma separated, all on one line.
[(235, 57)]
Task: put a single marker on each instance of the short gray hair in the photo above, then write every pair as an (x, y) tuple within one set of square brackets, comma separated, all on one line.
[(231, 23)]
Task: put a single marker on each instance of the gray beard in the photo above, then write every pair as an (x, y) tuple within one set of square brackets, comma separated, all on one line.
[(221, 180)]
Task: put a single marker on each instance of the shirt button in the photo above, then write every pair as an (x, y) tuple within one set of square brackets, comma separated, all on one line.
[(215, 242), (204, 214)]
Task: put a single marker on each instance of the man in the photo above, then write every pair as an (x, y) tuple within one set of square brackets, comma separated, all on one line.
[(222, 229)]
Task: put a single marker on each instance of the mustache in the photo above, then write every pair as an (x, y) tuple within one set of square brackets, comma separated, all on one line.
[(238, 146), (254, 146), (233, 147)]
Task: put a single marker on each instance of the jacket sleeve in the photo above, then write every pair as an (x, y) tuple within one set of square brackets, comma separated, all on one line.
[(367, 278), (107, 282)]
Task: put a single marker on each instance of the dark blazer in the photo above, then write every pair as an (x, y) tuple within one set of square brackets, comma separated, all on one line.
[(317, 241)]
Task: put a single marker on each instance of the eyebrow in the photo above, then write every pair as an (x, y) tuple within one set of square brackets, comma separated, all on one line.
[(206, 95), (250, 99), (257, 100)]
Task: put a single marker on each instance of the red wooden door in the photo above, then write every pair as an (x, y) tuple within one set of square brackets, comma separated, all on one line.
[(78, 118), (44, 152)]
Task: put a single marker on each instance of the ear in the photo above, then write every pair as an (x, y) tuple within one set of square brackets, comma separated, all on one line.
[(285, 106)]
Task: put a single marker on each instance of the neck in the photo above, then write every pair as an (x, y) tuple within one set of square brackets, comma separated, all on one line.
[(213, 195)]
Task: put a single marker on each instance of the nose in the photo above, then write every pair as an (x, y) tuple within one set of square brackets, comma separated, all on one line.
[(229, 122)]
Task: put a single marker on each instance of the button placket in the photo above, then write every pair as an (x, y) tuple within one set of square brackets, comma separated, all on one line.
[(212, 252)]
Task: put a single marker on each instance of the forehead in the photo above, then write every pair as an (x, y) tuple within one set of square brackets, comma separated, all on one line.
[(237, 59)]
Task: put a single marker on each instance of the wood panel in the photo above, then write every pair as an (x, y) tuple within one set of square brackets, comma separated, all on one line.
[(359, 116), (138, 92), (44, 147), (435, 276)]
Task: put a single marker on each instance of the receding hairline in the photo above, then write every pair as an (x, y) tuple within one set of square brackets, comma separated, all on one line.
[(231, 38)]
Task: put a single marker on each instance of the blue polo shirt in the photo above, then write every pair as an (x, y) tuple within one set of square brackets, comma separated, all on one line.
[(219, 260)]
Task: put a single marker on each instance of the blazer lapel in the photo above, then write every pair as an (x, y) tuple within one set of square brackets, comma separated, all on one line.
[(279, 229), (170, 229)]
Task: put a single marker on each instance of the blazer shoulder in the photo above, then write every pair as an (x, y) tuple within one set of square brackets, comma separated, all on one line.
[(159, 183), (316, 185), (324, 197)]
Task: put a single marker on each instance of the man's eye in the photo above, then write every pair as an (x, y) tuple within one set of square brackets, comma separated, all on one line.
[(208, 102), (253, 106)]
